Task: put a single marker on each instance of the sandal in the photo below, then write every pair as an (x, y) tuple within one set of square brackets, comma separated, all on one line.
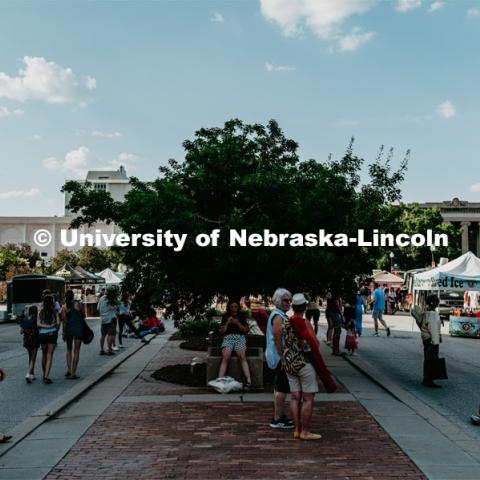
[(5, 438)]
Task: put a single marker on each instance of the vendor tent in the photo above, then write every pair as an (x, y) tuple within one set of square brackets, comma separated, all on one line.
[(387, 278), (92, 277), (460, 274), (111, 277), (72, 276)]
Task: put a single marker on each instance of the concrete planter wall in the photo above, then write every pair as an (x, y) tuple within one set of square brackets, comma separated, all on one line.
[(254, 359)]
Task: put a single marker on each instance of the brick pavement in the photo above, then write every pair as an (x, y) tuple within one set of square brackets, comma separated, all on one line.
[(219, 440)]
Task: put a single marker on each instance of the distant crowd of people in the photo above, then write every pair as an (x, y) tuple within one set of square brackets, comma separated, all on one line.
[(41, 325)]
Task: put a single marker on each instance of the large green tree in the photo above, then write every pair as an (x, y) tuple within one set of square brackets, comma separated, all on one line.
[(411, 219), (245, 177), (61, 258)]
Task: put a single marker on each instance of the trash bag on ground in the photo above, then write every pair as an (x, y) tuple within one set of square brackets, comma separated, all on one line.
[(225, 385)]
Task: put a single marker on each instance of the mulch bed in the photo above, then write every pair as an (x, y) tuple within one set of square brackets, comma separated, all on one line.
[(183, 375)]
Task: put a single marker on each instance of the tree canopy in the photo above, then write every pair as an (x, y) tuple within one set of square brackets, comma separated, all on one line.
[(244, 176)]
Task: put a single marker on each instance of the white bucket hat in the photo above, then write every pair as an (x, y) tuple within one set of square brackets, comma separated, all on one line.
[(299, 299)]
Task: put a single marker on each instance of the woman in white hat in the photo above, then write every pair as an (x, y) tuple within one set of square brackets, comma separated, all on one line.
[(300, 372)]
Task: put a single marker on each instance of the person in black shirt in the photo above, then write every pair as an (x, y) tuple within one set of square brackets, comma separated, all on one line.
[(234, 327)]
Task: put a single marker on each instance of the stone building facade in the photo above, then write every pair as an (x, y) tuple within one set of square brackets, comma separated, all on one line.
[(462, 214), (22, 229)]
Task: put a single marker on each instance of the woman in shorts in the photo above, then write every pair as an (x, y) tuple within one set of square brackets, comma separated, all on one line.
[(73, 316), (234, 327), (47, 324), (29, 330)]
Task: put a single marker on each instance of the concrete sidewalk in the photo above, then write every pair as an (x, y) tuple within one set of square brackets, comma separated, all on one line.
[(131, 426)]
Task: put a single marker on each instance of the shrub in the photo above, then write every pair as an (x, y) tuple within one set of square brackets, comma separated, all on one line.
[(213, 312), (192, 327)]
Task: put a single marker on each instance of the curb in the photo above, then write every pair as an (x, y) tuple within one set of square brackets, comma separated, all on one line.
[(446, 427), (43, 414)]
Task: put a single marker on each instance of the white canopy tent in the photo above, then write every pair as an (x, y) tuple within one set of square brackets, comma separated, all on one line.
[(111, 277), (387, 278), (460, 274)]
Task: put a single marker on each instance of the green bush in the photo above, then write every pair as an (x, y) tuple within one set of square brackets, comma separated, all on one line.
[(192, 327), (213, 312)]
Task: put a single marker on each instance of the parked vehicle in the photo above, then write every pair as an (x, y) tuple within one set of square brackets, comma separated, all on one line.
[(26, 290), (448, 301)]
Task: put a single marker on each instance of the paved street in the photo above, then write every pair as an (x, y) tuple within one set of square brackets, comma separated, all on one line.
[(400, 358), (18, 400)]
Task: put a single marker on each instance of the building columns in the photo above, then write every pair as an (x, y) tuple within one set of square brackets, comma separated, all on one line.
[(478, 239), (465, 226)]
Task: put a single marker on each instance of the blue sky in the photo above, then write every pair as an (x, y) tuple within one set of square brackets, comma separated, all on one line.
[(87, 85)]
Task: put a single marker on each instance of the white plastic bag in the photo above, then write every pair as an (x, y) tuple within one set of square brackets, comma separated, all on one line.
[(225, 385)]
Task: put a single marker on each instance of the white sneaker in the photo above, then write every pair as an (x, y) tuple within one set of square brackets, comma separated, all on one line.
[(115, 348), (32, 377), (375, 334)]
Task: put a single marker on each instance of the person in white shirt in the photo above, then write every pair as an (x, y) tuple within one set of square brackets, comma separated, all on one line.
[(430, 325)]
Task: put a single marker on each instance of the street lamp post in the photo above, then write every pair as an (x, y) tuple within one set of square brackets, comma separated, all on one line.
[(391, 260)]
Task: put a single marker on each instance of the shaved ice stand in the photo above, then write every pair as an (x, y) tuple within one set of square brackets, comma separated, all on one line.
[(459, 275)]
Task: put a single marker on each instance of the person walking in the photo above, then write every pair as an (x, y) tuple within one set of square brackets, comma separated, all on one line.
[(4, 438), (29, 330), (73, 316), (281, 299), (329, 315), (430, 329), (313, 313), (48, 325), (378, 305), (108, 307), (336, 312), (359, 307), (234, 328)]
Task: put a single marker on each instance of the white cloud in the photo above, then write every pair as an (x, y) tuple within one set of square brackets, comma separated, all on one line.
[(127, 160), (435, 6), (475, 188), (77, 162), (36, 137), (98, 133), (51, 163), (407, 5), (353, 40), (90, 83), (33, 192), (473, 12), (324, 18), (217, 18), (6, 112), (270, 67), (44, 81), (446, 110)]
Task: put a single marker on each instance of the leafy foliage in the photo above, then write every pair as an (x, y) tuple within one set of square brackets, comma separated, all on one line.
[(15, 256), (193, 327), (411, 219), (249, 177)]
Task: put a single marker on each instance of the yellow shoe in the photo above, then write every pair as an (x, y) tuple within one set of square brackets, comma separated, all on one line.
[(296, 435), (310, 436)]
